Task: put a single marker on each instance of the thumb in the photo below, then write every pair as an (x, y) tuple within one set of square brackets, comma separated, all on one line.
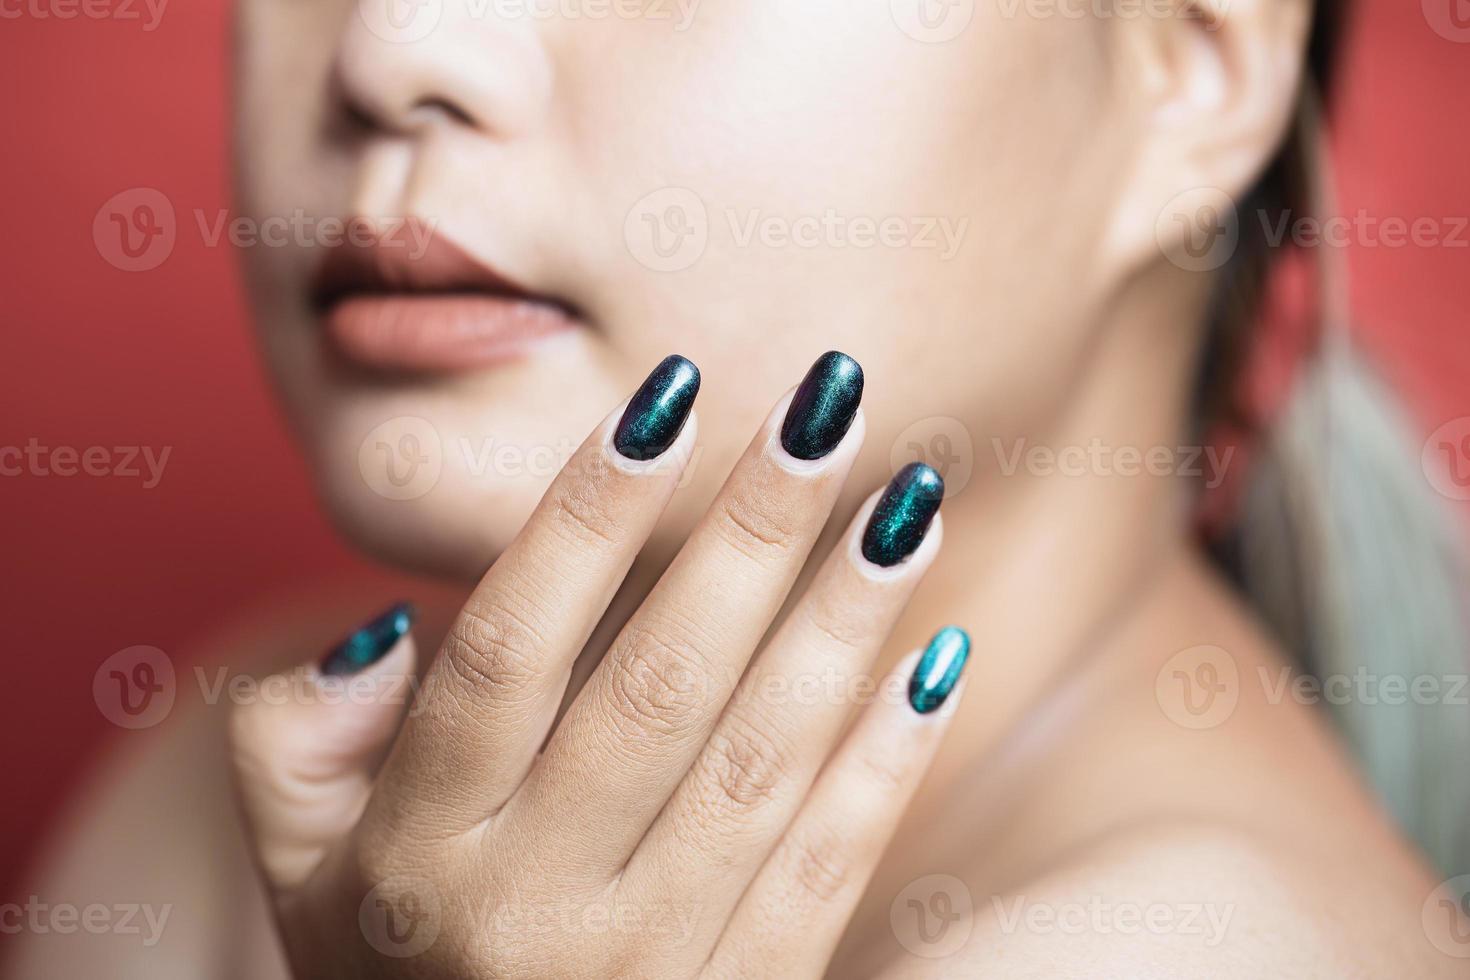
[(304, 763)]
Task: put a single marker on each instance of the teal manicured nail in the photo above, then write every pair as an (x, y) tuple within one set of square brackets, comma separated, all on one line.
[(823, 407), (903, 515), (939, 669), (370, 643), (657, 413)]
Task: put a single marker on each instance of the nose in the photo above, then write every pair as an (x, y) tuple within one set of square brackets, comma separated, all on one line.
[(402, 64)]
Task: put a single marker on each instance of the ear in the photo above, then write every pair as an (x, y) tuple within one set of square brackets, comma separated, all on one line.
[(1212, 85)]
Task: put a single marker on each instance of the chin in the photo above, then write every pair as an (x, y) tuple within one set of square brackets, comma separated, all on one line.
[(447, 533), (407, 493)]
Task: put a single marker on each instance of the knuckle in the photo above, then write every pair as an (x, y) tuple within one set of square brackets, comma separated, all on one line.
[(250, 740), (820, 865), (373, 863), (757, 526), (883, 773), (838, 626), (494, 651), (585, 518), (741, 768), (656, 687)]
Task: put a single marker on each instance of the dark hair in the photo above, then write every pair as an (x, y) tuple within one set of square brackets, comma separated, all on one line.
[(1287, 185)]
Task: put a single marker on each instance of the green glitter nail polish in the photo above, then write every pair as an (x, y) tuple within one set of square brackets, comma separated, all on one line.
[(939, 669), (657, 413), (370, 643), (823, 407), (903, 515)]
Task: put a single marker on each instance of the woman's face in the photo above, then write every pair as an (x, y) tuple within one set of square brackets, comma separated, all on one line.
[(746, 182)]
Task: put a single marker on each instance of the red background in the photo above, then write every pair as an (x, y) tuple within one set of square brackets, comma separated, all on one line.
[(97, 356)]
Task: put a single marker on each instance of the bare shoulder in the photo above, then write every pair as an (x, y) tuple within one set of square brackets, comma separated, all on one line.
[(1178, 813), (1179, 900), (147, 874)]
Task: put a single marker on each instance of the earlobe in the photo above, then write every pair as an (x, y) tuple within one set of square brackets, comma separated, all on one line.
[(1213, 86)]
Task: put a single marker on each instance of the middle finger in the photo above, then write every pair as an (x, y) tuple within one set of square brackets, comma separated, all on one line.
[(631, 734)]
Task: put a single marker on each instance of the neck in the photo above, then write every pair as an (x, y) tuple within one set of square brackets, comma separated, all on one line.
[(1058, 542)]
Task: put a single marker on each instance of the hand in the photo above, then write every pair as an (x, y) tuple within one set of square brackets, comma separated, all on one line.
[(679, 820)]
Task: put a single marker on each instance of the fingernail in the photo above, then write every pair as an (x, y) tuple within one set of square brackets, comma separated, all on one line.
[(903, 515), (823, 407), (370, 643), (657, 413), (939, 669)]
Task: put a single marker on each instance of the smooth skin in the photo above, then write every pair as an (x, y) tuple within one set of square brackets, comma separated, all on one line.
[(678, 782), (1060, 143)]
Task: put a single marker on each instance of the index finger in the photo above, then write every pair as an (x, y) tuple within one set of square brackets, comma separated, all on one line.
[(491, 693)]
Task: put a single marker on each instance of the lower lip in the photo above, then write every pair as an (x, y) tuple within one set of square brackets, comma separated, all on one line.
[(442, 332)]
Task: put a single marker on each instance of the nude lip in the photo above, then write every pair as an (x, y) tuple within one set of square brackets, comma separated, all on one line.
[(388, 302)]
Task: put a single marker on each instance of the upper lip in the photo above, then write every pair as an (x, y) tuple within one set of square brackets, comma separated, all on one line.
[(405, 260)]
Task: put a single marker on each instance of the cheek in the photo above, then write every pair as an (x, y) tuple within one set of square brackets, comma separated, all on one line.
[(788, 178)]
